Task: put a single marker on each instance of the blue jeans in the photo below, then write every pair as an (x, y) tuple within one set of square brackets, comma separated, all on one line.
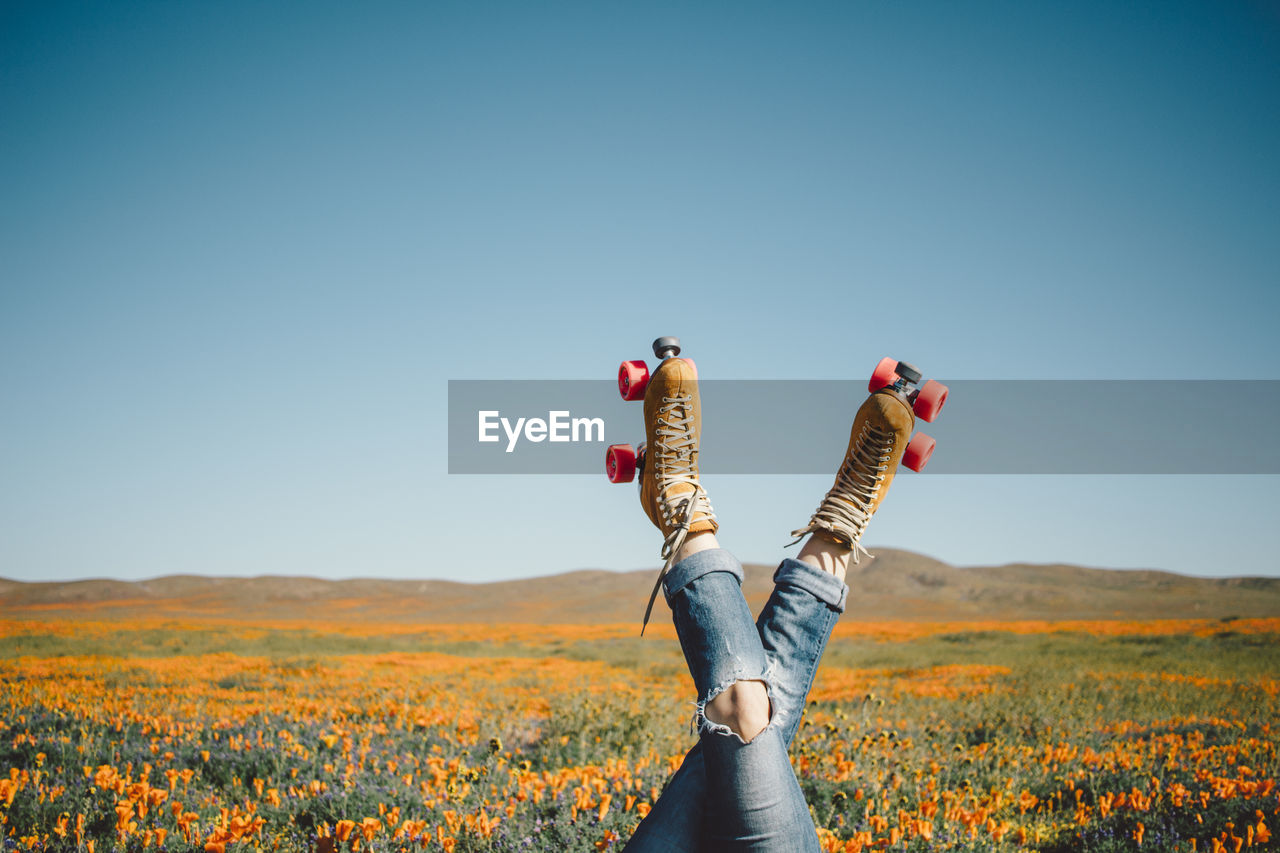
[(731, 795)]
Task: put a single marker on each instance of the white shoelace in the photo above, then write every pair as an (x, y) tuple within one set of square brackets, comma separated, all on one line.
[(846, 509), (675, 446)]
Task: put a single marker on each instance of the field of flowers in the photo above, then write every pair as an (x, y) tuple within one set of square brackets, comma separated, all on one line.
[(221, 737)]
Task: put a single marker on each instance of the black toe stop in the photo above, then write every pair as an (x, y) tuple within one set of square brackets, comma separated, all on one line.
[(666, 347)]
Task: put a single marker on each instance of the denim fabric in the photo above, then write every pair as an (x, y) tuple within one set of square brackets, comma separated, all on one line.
[(728, 795), (794, 627)]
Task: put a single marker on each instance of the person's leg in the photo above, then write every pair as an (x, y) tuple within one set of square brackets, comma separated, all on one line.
[(752, 798), (674, 824), (809, 592), (669, 489), (809, 595), (736, 789)]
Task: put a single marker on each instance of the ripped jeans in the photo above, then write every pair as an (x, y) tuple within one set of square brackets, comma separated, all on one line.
[(731, 795)]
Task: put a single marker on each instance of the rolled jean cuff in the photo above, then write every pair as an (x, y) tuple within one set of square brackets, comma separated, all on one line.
[(824, 586), (696, 565)]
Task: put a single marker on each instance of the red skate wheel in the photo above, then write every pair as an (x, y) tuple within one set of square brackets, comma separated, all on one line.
[(918, 451), (886, 373), (694, 366), (633, 376), (620, 463), (930, 400)]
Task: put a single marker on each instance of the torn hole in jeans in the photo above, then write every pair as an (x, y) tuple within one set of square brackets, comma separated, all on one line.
[(703, 725)]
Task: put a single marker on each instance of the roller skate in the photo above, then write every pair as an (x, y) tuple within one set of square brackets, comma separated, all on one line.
[(880, 439), (667, 461)]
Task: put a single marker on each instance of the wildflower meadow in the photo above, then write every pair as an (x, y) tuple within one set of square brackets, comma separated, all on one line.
[(221, 736)]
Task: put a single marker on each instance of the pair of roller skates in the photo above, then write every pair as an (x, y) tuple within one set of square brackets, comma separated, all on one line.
[(667, 462)]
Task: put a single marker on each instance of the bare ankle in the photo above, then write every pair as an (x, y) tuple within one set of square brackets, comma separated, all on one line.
[(696, 542), (826, 554)]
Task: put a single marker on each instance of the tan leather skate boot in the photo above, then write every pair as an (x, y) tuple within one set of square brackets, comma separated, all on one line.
[(877, 443), (670, 492)]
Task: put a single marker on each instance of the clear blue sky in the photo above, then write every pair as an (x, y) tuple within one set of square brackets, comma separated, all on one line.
[(244, 246)]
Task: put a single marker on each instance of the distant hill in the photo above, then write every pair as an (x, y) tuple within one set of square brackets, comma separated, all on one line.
[(897, 585)]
